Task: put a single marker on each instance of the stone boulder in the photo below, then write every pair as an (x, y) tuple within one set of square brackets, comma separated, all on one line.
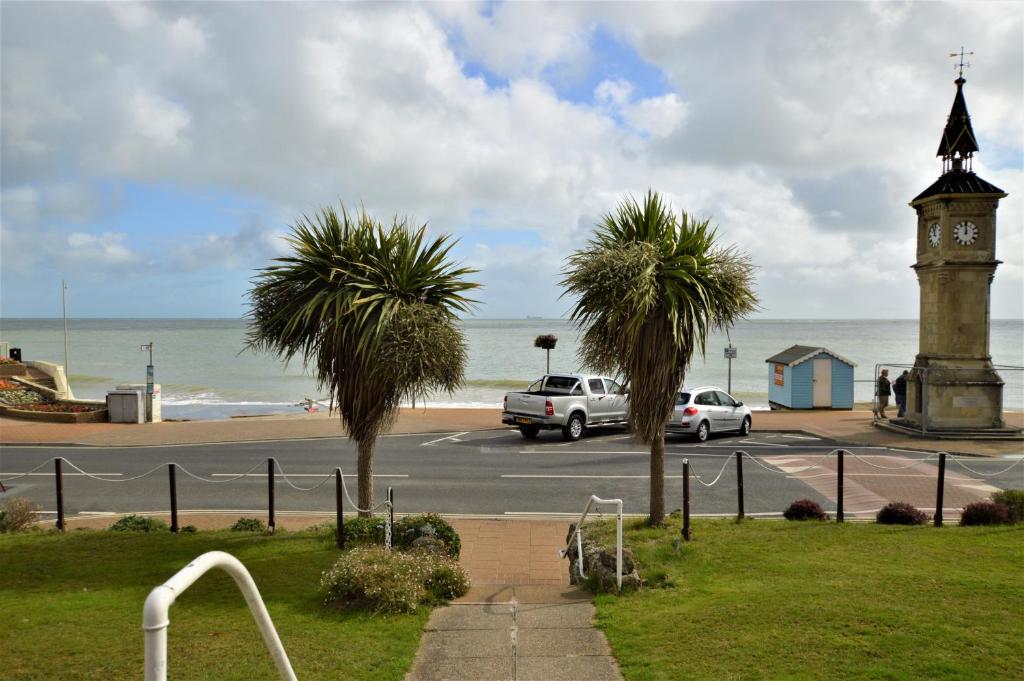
[(599, 565)]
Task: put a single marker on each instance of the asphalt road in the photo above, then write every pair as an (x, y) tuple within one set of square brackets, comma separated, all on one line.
[(490, 472)]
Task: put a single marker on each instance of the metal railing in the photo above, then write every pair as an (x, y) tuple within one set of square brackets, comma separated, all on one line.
[(594, 500), (155, 612)]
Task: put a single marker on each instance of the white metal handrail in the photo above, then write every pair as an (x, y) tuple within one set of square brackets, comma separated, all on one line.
[(155, 616), (594, 500)]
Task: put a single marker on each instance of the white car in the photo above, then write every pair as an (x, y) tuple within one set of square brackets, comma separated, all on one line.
[(708, 409)]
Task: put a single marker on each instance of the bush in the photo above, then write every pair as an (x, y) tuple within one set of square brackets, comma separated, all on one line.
[(385, 581), (18, 514), (188, 529), (249, 525), (138, 523), (900, 513), (1013, 499), (985, 513), (804, 509), (410, 528)]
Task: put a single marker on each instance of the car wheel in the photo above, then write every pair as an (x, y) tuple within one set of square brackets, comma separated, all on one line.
[(530, 432), (703, 431), (573, 430), (745, 428)]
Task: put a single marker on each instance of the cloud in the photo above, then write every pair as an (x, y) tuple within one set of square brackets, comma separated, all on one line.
[(251, 246)]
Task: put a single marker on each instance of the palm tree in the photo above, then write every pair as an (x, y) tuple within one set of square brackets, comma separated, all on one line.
[(373, 310), (649, 287)]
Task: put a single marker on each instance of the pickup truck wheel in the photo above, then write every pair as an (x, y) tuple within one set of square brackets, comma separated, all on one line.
[(573, 430), (745, 428), (703, 430), (530, 432)]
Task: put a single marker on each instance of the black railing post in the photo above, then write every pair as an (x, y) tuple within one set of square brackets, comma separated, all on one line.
[(839, 488), (58, 465), (940, 489), (270, 494), (739, 484), (172, 476), (686, 499), (339, 510)]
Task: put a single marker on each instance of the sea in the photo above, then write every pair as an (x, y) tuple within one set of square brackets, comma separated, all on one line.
[(206, 371)]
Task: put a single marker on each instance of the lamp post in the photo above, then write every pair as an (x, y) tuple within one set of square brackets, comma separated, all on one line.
[(149, 380), (64, 296), (546, 342)]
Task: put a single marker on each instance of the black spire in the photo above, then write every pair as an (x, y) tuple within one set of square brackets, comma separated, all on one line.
[(958, 143)]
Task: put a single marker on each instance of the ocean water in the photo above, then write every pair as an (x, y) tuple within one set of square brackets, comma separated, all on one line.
[(206, 372)]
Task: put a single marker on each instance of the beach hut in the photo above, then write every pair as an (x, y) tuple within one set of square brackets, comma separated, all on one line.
[(808, 377)]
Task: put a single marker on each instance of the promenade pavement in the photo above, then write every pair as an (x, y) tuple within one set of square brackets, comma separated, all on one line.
[(850, 427)]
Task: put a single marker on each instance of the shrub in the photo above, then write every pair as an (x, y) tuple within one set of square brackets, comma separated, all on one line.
[(900, 513), (410, 528), (985, 513), (249, 525), (1013, 499), (385, 581), (804, 509), (18, 514), (138, 523), (188, 529)]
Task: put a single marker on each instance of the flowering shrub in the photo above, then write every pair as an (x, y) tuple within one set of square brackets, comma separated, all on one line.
[(985, 513), (60, 407), (1013, 499), (385, 581), (249, 525), (412, 527), (900, 513), (18, 514), (804, 509), (20, 396), (8, 360)]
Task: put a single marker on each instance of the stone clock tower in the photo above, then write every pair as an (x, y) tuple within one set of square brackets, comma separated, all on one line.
[(953, 386)]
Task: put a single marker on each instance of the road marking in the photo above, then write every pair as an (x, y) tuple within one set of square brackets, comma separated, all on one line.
[(302, 475), (762, 444), (66, 475), (591, 477), (454, 438), (930, 476), (798, 437)]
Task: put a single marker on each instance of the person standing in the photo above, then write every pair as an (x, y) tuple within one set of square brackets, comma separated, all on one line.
[(884, 389), (899, 391)]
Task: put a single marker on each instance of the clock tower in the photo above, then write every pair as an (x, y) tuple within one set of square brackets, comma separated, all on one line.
[(953, 385)]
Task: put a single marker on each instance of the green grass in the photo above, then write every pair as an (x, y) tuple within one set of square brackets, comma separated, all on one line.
[(786, 600), (71, 608)]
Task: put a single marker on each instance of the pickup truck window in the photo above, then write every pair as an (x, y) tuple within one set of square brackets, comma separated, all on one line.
[(560, 383), (576, 390), (613, 387), (596, 386)]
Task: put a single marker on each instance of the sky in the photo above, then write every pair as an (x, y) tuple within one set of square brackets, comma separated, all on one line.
[(155, 155)]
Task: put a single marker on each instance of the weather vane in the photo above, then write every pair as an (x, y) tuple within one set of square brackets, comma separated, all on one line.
[(961, 65)]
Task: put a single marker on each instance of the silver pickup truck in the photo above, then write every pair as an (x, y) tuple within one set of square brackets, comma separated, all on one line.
[(567, 401)]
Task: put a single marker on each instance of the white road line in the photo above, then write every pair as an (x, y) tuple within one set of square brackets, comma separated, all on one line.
[(864, 475), (762, 444), (302, 475), (4, 475), (798, 437), (453, 438), (591, 477)]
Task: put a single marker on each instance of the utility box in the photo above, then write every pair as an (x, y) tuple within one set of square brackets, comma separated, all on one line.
[(126, 406), (152, 402)]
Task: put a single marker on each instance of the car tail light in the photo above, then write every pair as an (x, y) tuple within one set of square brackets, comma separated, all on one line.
[(691, 411), (549, 409)]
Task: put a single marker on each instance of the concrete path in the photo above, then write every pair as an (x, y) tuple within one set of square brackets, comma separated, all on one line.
[(521, 620)]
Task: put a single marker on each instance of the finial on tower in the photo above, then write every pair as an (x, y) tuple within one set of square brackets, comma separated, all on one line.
[(958, 143)]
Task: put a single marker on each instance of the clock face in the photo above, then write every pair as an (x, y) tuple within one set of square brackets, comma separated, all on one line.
[(965, 232), (934, 232)]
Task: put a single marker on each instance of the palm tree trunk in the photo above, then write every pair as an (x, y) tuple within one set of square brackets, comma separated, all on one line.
[(364, 471), (658, 479)]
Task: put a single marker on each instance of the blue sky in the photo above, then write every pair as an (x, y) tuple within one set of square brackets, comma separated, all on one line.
[(154, 155)]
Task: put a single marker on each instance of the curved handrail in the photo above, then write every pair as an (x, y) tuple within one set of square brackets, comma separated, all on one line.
[(594, 499), (155, 616)]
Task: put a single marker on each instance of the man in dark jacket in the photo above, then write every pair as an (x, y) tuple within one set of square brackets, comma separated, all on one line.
[(884, 390), (899, 391)]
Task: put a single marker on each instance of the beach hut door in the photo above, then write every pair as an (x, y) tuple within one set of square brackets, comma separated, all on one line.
[(823, 383)]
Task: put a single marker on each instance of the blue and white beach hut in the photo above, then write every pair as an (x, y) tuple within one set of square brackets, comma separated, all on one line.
[(807, 377)]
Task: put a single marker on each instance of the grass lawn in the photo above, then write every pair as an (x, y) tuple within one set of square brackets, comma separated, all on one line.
[(787, 600), (71, 608)]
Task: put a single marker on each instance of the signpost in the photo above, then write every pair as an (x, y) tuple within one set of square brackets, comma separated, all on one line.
[(730, 354), (149, 381)]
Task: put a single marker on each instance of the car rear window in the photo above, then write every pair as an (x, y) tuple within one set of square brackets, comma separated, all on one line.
[(560, 383), (682, 398)]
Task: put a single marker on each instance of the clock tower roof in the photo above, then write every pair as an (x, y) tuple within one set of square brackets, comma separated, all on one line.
[(959, 182), (958, 137)]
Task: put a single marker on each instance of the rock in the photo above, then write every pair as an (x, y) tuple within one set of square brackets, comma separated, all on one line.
[(599, 565)]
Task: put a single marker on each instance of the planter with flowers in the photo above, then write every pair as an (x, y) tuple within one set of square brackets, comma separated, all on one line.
[(10, 367)]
